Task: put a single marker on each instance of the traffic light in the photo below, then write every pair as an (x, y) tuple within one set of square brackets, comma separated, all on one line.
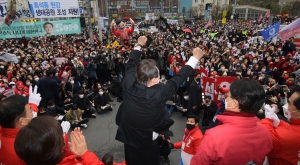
[(236, 16)]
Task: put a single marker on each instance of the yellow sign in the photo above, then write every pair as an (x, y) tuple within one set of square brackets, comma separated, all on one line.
[(224, 13), (223, 20)]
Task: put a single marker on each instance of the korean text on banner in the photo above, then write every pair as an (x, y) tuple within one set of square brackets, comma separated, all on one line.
[(30, 29), (17, 9), (54, 8), (223, 82), (271, 31), (290, 30), (209, 86), (9, 93), (3, 7)]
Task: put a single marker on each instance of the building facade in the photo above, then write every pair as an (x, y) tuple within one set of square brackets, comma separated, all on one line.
[(248, 12)]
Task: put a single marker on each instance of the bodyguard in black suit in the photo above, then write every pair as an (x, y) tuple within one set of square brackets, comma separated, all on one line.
[(195, 95), (144, 99)]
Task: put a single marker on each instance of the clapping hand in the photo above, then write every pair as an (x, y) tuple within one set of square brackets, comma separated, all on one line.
[(78, 144), (270, 113)]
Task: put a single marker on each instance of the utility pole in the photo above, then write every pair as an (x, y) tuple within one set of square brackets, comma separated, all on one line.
[(106, 9), (88, 11), (234, 7), (99, 23)]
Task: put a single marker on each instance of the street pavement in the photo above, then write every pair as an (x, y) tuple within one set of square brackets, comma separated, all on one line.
[(101, 131)]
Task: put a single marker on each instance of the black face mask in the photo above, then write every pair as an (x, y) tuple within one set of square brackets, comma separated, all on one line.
[(207, 101), (190, 127)]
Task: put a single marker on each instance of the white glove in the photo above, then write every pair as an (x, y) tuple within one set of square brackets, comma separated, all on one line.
[(34, 97), (270, 113), (65, 125)]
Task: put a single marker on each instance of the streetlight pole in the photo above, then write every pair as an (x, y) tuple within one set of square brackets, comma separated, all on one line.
[(88, 11), (99, 23), (234, 6)]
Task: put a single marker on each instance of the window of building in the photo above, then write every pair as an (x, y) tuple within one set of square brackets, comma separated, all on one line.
[(202, 1), (196, 1)]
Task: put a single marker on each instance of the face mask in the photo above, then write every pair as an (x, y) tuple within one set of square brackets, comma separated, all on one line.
[(86, 56), (222, 68), (101, 93), (226, 104), (4, 80), (190, 127), (36, 79), (34, 114), (240, 59), (24, 66), (291, 61), (263, 70), (13, 86), (276, 60), (1, 90), (83, 86), (81, 96), (248, 72), (27, 83), (186, 97), (56, 74), (287, 113), (207, 101), (99, 86), (2, 66), (163, 79), (254, 62), (72, 82)]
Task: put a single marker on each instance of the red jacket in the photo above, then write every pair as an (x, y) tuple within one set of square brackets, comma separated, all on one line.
[(8, 155), (88, 158), (24, 92), (286, 144), (238, 140), (189, 144)]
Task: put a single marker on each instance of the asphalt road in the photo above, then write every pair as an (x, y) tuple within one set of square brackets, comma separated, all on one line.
[(101, 131)]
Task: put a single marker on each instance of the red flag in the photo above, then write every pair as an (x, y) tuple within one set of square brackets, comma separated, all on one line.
[(209, 23), (268, 14), (260, 18)]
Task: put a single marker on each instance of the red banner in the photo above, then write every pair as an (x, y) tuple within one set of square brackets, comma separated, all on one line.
[(290, 30), (208, 88), (223, 82)]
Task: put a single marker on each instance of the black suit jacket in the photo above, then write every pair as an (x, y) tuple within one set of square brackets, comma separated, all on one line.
[(143, 107), (195, 97)]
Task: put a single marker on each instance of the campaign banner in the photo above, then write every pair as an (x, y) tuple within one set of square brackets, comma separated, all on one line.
[(54, 8), (34, 29), (290, 30), (208, 87), (17, 9), (271, 31), (172, 21), (3, 9), (9, 93), (223, 82)]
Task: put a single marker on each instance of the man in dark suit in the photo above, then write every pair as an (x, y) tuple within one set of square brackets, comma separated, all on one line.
[(142, 109), (195, 98)]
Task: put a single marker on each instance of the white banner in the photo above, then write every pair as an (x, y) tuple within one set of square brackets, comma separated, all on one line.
[(9, 93), (3, 7), (54, 8), (172, 21), (17, 9)]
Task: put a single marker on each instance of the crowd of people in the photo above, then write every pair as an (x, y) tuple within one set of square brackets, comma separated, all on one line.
[(66, 75)]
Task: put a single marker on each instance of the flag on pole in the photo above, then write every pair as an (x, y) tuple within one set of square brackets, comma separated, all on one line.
[(17, 9), (209, 23), (267, 14), (290, 30), (260, 18), (271, 31)]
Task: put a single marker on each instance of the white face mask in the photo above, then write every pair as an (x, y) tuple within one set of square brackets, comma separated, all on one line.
[(34, 114), (72, 82), (263, 70), (276, 60), (36, 79), (101, 93), (81, 96), (27, 83), (287, 113), (99, 86), (186, 97), (83, 86), (254, 62)]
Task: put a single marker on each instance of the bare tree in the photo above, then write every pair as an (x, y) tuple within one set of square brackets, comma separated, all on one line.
[(197, 10), (216, 12)]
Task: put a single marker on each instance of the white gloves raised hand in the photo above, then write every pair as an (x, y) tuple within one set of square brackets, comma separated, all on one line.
[(270, 113), (65, 125), (34, 97)]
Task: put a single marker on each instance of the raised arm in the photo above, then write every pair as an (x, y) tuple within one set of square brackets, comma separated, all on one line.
[(132, 26), (134, 58)]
